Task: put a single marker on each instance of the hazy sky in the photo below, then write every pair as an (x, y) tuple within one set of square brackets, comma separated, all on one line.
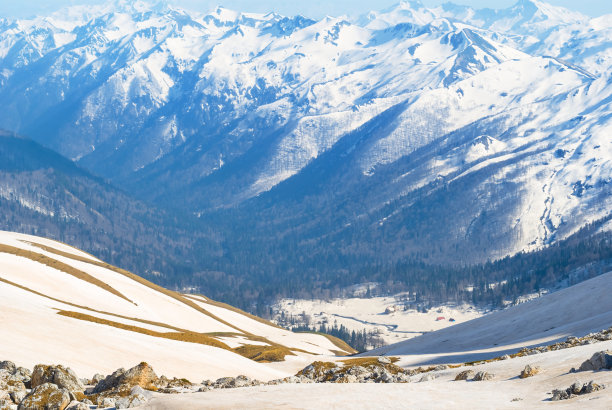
[(310, 8)]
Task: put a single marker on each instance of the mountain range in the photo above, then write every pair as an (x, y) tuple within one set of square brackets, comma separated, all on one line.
[(445, 135)]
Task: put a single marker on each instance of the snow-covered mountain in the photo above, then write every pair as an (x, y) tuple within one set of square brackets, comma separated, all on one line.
[(501, 115), (66, 306)]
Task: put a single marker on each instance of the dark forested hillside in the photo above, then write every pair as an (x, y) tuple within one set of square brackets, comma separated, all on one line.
[(253, 254), (45, 194)]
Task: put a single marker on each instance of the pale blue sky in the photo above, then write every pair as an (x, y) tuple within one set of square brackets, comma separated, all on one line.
[(310, 8)]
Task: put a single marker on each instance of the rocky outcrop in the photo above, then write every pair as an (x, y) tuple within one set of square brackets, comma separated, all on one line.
[(141, 375), (529, 371), (483, 376), (576, 389), (12, 389), (46, 396), (465, 375), (60, 376), (599, 361), (374, 370)]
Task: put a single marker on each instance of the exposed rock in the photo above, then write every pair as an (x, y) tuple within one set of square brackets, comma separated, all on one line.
[(97, 378), (58, 375), (576, 389), (133, 400), (483, 376), (241, 381), (8, 366), (46, 396), (428, 377), (600, 360), (465, 375), (77, 405), (12, 389), (18, 396), (141, 375), (529, 371), (384, 360), (7, 405), (25, 375), (106, 402)]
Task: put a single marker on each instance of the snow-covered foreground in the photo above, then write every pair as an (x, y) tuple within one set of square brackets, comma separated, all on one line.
[(60, 305), (441, 393), (370, 314)]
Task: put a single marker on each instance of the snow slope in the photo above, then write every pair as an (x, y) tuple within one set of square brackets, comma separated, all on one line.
[(577, 310), (60, 305)]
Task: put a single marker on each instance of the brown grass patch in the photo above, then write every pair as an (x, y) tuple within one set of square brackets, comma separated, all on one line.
[(264, 354), (55, 264), (142, 281), (189, 337), (236, 310)]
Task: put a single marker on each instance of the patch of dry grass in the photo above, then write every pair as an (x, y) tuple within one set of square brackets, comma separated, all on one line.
[(189, 337), (55, 264), (264, 354)]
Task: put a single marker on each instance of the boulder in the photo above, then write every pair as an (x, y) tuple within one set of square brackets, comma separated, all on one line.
[(8, 366), (529, 371), (7, 405), (600, 360), (141, 375), (574, 390), (224, 383), (133, 400), (11, 387), (97, 378), (483, 376), (384, 360), (465, 375), (23, 374), (60, 376), (46, 396), (77, 405), (427, 377)]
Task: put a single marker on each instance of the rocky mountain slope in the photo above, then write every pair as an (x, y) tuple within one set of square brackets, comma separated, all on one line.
[(71, 308)]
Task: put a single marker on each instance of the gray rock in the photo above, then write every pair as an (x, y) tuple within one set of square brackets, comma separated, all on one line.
[(428, 377), (224, 383), (131, 401), (97, 378), (76, 405), (384, 360), (8, 366), (243, 381), (140, 375), (7, 405), (106, 402), (483, 376), (529, 371), (46, 396), (18, 396), (576, 389), (139, 390), (600, 360), (465, 375), (58, 375)]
